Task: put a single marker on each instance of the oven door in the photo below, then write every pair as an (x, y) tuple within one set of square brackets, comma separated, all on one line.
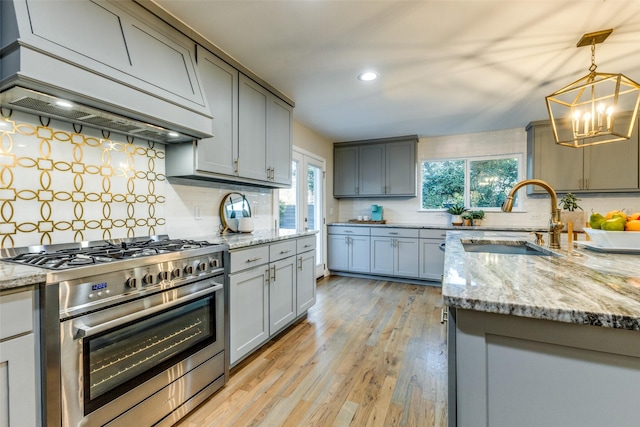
[(115, 358)]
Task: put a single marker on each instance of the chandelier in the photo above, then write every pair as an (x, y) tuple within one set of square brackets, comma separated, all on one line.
[(598, 108)]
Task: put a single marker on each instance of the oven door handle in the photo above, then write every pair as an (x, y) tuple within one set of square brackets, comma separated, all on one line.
[(82, 331)]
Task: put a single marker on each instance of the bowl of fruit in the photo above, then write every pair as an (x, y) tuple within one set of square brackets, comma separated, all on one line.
[(616, 229)]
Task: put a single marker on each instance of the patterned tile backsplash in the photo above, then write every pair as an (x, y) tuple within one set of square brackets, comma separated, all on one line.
[(62, 183)]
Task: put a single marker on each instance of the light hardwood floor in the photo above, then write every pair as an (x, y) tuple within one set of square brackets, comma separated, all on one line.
[(369, 353)]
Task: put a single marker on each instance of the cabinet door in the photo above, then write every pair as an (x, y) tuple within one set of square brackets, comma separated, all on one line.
[(18, 398), (371, 160), (612, 166), (248, 311), (400, 169), (338, 252), (431, 259), (305, 281), (359, 248), (382, 256), (282, 294), (279, 140), (252, 133), (345, 171), (561, 167), (406, 257), (220, 81)]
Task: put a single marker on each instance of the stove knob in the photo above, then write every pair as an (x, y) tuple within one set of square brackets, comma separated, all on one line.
[(163, 275), (188, 269), (147, 279), (132, 282), (214, 263), (175, 273), (202, 266)]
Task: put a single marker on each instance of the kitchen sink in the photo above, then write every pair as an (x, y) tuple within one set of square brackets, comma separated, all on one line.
[(506, 247)]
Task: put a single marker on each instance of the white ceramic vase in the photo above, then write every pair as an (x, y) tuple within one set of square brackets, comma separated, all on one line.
[(456, 220)]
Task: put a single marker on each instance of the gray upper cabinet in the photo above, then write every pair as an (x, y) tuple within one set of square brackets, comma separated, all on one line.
[(253, 102), (252, 128), (345, 171), (603, 168), (220, 80), (375, 168)]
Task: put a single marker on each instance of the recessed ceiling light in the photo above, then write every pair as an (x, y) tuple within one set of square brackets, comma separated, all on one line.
[(368, 76)]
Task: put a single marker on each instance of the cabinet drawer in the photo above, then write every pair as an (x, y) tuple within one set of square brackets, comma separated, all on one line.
[(16, 314), (247, 258), (282, 250), (395, 232), (348, 231), (433, 234), (305, 244)]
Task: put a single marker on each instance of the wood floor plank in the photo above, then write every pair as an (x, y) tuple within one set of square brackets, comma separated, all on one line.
[(369, 353)]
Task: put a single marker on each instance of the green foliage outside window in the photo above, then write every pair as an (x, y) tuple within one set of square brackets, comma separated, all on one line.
[(443, 182)]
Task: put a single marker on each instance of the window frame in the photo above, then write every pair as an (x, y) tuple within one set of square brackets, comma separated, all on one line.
[(518, 207)]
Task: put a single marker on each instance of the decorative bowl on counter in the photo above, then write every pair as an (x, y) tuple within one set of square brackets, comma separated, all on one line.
[(614, 239)]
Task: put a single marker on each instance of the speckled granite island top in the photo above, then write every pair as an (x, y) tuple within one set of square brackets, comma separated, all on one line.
[(577, 286), (441, 226)]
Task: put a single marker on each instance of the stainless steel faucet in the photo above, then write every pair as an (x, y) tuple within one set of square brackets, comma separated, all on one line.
[(555, 225)]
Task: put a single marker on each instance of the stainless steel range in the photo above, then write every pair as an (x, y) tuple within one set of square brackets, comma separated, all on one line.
[(133, 331)]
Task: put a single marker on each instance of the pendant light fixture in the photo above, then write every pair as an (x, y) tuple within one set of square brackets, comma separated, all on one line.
[(598, 108)]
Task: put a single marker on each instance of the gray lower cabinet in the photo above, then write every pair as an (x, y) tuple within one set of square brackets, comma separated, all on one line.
[(431, 254), (270, 286), (589, 169), (19, 401), (306, 274), (394, 252), (516, 371), (348, 249)]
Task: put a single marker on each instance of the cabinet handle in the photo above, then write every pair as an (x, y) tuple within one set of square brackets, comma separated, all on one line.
[(307, 246), (237, 162), (300, 267), (357, 190), (285, 252), (444, 316), (274, 273), (268, 271), (394, 233), (586, 185), (254, 259), (348, 231)]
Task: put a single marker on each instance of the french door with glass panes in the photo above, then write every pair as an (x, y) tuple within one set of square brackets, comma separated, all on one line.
[(301, 207)]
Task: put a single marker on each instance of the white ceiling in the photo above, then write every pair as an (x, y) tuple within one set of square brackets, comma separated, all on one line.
[(446, 66)]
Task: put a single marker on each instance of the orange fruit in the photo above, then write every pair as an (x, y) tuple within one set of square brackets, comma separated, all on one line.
[(633, 225), (634, 216), (610, 214)]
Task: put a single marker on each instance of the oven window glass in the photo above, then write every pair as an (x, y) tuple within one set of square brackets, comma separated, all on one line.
[(122, 358)]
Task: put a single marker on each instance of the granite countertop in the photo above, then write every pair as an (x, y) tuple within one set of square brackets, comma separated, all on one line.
[(242, 240), (443, 226), (18, 275), (577, 286)]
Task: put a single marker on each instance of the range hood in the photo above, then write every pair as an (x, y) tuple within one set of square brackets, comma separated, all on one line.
[(109, 65)]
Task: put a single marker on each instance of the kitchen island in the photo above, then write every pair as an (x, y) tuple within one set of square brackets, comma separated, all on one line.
[(538, 340)]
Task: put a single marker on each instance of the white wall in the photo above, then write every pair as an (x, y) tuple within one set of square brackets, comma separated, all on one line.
[(536, 210)]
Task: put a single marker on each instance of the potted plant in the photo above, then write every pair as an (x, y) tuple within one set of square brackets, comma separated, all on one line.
[(477, 216), (467, 217), (570, 213), (455, 211)]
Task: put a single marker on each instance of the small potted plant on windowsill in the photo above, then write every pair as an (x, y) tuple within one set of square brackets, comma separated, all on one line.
[(467, 218), (569, 205), (455, 211), (477, 217)]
